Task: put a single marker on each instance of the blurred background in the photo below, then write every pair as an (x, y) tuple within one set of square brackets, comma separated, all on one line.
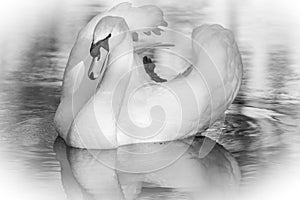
[(262, 126)]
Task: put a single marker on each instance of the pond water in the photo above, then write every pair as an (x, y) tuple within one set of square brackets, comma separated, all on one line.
[(260, 137)]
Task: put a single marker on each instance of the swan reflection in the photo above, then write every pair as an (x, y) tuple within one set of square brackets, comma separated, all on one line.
[(174, 170)]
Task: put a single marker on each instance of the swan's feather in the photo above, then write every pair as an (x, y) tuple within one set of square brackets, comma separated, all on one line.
[(150, 18)]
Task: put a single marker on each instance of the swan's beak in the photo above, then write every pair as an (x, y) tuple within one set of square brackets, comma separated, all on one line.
[(99, 51), (98, 65)]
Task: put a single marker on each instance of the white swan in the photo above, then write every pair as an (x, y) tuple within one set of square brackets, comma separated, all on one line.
[(109, 99)]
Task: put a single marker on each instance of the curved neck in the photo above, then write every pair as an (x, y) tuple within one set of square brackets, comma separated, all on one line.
[(78, 88), (119, 65)]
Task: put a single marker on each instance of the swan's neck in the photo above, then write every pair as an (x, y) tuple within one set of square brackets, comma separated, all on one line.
[(73, 100), (119, 66)]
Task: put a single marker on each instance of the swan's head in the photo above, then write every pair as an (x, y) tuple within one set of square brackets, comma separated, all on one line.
[(108, 34)]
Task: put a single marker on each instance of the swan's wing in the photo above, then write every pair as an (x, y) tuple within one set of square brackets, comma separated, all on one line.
[(218, 59), (144, 19)]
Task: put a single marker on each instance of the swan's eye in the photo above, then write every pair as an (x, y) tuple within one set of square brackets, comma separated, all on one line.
[(95, 50)]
